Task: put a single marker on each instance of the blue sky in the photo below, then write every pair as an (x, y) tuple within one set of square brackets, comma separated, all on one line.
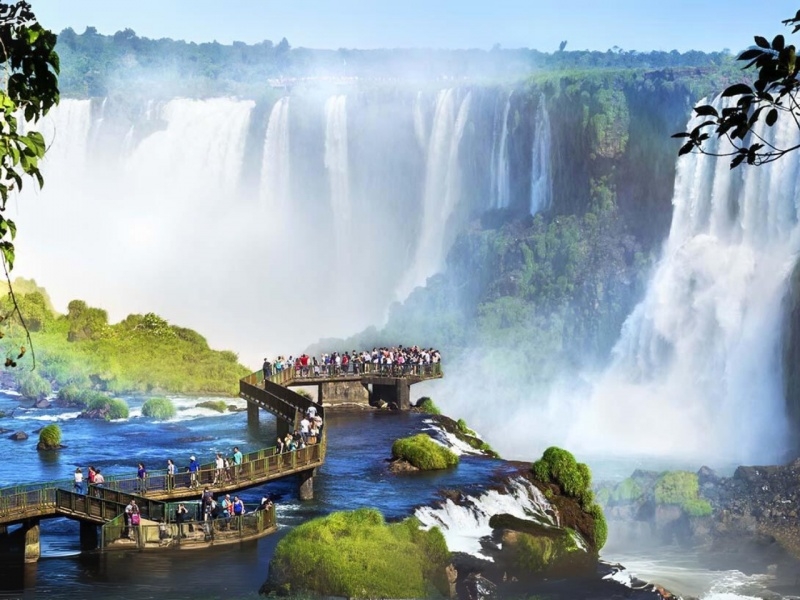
[(542, 24)]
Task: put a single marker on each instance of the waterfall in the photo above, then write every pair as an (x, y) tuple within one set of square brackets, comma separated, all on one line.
[(275, 166), (697, 370), (541, 177), (420, 128), (336, 162), (66, 130), (442, 187), (500, 195)]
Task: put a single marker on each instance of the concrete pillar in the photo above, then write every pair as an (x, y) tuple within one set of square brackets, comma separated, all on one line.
[(252, 415), (307, 485), (89, 537), (32, 547), (320, 395), (403, 394)]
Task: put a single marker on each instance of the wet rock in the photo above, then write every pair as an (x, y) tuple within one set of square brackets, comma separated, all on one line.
[(401, 466), (42, 403), (18, 436), (707, 476), (477, 587)]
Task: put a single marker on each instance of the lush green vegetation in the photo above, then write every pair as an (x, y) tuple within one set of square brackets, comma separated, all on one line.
[(49, 437), (140, 354), (358, 555), (682, 488), (217, 405), (427, 405), (160, 408), (113, 408), (425, 454), (33, 386), (559, 466)]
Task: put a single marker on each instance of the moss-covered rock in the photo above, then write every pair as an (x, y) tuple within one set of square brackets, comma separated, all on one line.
[(683, 489), (574, 480), (217, 405), (159, 408), (423, 453), (100, 406), (49, 438), (427, 405), (358, 555)]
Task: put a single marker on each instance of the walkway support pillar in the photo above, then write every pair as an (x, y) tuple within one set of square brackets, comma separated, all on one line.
[(252, 415), (89, 537), (32, 547), (307, 485)]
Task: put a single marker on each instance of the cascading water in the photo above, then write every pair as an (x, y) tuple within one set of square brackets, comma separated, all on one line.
[(337, 164), (442, 187), (276, 163), (499, 175), (541, 175), (420, 128), (697, 370)]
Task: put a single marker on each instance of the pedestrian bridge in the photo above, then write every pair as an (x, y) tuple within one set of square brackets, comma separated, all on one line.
[(27, 504)]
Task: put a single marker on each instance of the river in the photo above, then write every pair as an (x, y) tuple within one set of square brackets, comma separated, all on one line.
[(353, 476)]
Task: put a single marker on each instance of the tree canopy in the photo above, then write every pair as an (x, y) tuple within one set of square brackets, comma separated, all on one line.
[(748, 110)]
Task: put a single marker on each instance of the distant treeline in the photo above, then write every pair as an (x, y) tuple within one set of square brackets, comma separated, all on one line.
[(99, 65)]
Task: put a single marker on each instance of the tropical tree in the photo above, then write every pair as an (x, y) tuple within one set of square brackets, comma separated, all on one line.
[(752, 106), (29, 89)]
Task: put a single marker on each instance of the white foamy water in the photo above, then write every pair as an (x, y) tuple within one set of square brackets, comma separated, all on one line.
[(448, 440), (698, 367), (464, 524)]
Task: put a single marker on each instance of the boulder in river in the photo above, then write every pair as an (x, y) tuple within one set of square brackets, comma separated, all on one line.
[(18, 436)]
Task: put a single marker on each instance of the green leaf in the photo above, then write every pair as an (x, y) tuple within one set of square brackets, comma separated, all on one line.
[(762, 42), (750, 54), (706, 111), (778, 43), (7, 248)]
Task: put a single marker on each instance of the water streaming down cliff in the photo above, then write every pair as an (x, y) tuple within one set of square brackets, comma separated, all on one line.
[(155, 200), (276, 164), (697, 370), (541, 162), (499, 170), (442, 187), (337, 165)]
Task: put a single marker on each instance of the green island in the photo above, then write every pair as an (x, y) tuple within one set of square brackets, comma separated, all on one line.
[(82, 352), (358, 555), (423, 453)]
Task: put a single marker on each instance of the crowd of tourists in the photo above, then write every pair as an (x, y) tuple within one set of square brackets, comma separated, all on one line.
[(397, 361)]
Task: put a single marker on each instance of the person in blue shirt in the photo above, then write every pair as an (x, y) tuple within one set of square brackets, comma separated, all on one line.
[(194, 468), (237, 461)]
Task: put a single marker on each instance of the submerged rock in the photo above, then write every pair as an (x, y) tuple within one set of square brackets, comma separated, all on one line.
[(18, 436)]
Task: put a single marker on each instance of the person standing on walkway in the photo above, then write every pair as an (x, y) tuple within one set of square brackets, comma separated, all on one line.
[(238, 458), (180, 517), (99, 481), (141, 476), (194, 467), (170, 474), (219, 472), (78, 481)]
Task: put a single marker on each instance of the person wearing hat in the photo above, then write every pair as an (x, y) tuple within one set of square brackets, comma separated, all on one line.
[(194, 468)]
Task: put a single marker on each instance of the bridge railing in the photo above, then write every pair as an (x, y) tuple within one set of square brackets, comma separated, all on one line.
[(188, 533), (294, 373), (43, 498)]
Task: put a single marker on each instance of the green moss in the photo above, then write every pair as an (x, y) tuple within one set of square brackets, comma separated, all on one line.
[(159, 408), (426, 405), (217, 405), (676, 487), (50, 436), (628, 490), (600, 526), (697, 508), (115, 407), (462, 427), (425, 454), (358, 555), (560, 467), (33, 386)]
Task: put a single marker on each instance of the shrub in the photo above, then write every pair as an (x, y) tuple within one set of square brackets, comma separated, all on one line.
[(628, 490), (159, 408), (560, 467), (462, 427), (425, 454), (217, 405), (33, 386), (49, 437), (70, 395), (697, 508), (426, 405), (357, 555)]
